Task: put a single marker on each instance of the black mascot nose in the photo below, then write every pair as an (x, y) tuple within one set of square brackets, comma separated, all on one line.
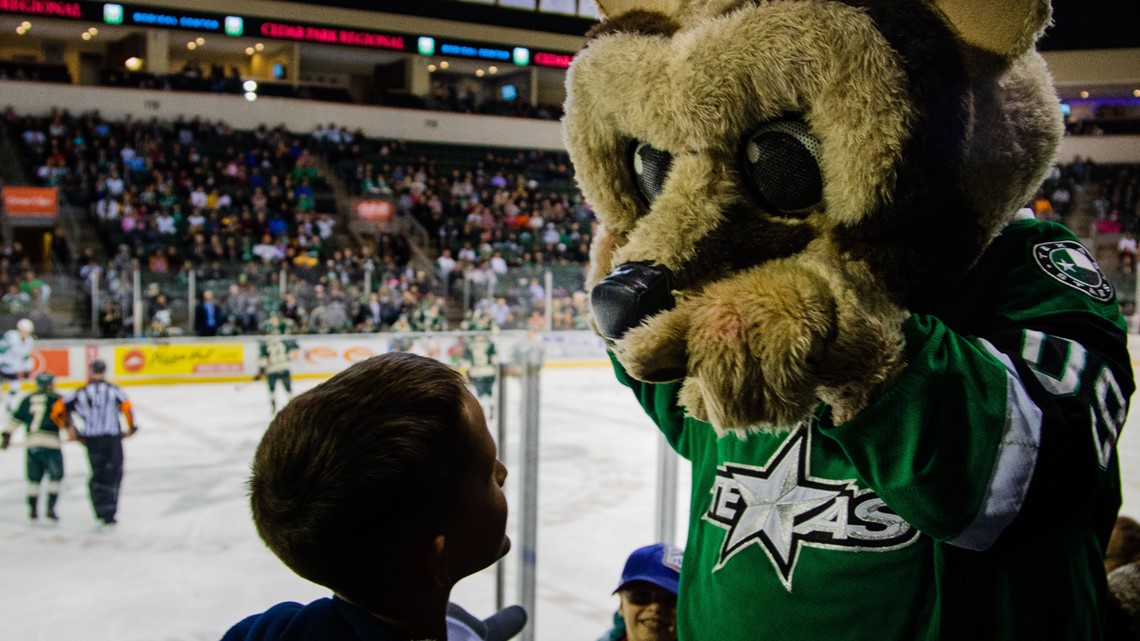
[(629, 295)]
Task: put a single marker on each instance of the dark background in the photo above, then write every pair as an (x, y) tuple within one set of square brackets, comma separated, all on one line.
[(1079, 24)]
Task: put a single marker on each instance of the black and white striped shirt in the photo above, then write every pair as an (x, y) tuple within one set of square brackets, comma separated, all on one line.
[(98, 403)]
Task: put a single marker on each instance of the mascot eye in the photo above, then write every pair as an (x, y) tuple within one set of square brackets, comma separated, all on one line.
[(781, 163), (650, 169)]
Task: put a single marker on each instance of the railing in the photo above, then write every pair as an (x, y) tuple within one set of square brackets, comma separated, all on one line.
[(534, 298)]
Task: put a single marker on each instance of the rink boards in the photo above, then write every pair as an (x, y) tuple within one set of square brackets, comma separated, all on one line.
[(230, 359)]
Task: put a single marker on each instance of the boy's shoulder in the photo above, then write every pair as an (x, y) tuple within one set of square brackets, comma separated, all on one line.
[(321, 620)]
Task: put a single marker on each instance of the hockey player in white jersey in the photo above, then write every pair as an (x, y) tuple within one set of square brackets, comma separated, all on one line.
[(16, 363)]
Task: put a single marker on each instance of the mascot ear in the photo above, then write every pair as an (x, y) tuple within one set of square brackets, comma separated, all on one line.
[(612, 8), (1007, 28)]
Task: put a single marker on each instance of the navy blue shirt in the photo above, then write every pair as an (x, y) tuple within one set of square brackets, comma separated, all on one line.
[(321, 620)]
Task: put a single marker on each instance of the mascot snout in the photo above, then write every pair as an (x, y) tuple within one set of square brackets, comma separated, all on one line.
[(630, 294)]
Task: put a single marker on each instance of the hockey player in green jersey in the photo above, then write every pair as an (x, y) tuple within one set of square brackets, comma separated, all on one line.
[(275, 354), (43, 414)]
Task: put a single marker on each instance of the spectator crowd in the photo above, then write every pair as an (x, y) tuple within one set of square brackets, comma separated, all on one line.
[(249, 216)]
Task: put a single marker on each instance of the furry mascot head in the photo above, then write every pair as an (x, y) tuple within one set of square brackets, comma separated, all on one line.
[(779, 183)]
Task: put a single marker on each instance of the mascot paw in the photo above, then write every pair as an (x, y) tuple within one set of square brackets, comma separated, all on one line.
[(755, 345), (759, 350)]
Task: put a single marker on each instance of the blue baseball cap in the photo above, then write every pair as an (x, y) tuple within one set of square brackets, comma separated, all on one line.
[(659, 564)]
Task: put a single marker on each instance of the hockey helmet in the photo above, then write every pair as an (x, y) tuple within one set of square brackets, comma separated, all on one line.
[(26, 326), (45, 381)]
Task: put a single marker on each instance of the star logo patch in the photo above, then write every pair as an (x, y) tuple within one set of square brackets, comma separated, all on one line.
[(1069, 262), (781, 508)]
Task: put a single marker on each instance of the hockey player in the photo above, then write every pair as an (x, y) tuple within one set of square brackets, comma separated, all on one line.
[(274, 356), (481, 369), (16, 362), (44, 415)]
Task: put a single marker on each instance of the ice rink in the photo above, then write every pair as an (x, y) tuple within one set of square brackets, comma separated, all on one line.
[(184, 563)]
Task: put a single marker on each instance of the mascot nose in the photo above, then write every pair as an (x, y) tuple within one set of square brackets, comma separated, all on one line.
[(629, 295)]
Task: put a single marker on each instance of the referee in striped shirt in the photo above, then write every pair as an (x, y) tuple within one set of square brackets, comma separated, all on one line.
[(99, 404)]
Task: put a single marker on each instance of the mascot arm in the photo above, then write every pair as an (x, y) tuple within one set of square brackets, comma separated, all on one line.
[(979, 434), (660, 402)]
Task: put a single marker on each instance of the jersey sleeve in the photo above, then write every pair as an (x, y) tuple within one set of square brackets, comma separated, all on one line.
[(659, 400), (992, 434), (59, 412), (23, 411), (125, 407), (69, 401)]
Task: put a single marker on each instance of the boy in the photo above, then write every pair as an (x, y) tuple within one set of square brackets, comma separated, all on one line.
[(44, 415), (383, 485)]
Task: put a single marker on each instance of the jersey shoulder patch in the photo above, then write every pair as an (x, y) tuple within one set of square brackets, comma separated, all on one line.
[(1068, 262)]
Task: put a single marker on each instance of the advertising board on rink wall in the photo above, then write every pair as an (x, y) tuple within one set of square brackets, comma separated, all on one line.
[(198, 360), (180, 359)]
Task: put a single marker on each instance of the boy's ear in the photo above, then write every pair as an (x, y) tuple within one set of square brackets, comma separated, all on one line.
[(435, 562), (1006, 28)]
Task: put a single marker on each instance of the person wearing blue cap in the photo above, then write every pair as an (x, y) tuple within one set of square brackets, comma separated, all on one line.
[(648, 593)]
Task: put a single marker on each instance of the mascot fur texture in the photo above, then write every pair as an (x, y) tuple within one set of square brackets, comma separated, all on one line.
[(921, 158), (809, 241)]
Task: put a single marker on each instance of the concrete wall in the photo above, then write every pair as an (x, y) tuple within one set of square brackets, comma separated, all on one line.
[(296, 115), (1094, 67), (1102, 149)]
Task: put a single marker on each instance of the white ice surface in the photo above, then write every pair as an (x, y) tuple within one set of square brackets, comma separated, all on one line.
[(185, 563)]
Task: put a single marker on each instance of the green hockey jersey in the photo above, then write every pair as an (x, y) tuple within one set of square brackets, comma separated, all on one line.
[(972, 500), (275, 354), (44, 414)]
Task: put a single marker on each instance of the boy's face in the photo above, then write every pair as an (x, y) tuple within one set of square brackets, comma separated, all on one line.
[(479, 532)]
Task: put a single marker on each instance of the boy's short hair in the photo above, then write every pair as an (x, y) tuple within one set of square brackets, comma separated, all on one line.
[(350, 471)]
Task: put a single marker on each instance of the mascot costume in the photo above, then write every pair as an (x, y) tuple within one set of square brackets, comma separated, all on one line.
[(900, 393)]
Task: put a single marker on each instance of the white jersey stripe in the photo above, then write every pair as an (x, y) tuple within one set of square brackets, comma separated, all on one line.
[(1013, 470)]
